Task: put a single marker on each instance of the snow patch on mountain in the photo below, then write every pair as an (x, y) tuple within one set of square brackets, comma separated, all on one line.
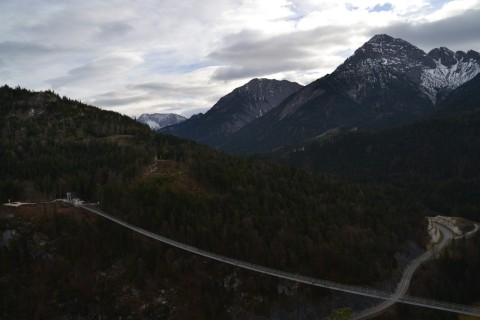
[(157, 121), (152, 124), (447, 76)]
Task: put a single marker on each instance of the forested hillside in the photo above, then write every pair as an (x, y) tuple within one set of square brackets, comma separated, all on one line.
[(281, 217), (51, 145), (436, 159)]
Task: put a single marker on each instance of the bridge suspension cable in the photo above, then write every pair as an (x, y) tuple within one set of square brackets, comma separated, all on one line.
[(369, 292)]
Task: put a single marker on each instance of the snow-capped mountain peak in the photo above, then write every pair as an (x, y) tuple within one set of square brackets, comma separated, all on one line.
[(157, 121), (383, 58), (394, 52)]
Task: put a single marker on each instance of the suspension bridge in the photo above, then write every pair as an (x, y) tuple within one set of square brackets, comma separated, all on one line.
[(389, 297)]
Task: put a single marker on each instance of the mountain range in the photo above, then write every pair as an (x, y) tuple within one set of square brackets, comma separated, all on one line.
[(157, 121), (233, 111), (386, 82)]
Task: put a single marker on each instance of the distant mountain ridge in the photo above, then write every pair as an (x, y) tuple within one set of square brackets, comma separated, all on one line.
[(386, 82), (235, 110), (157, 121)]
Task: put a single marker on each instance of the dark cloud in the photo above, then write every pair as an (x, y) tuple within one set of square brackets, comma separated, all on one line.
[(13, 49), (461, 32), (112, 99), (168, 90), (153, 87), (230, 73), (74, 75), (250, 54), (99, 70), (113, 30)]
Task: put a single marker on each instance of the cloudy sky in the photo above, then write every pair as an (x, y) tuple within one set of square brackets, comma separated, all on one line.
[(181, 56)]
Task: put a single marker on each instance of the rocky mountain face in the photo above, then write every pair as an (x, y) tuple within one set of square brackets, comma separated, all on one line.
[(235, 110), (157, 121), (383, 58), (451, 70), (386, 82)]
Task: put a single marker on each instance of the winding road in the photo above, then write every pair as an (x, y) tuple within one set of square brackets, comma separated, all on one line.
[(404, 283)]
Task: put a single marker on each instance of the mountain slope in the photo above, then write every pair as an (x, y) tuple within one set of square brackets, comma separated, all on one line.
[(463, 101), (451, 70), (436, 73), (299, 118), (437, 159), (48, 144), (157, 121), (388, 80), (234, 111)]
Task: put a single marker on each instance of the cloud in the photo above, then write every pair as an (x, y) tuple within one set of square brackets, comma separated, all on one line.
[(184, 55), (113, 30), (458, 33), (249, 54), (21, 60), (186, 98), (114, 99), (98, 70), (20, 49), (169, 89), (325, 32), (149, 103)]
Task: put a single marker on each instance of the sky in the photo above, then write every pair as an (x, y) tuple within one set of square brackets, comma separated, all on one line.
[(181, 56)]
